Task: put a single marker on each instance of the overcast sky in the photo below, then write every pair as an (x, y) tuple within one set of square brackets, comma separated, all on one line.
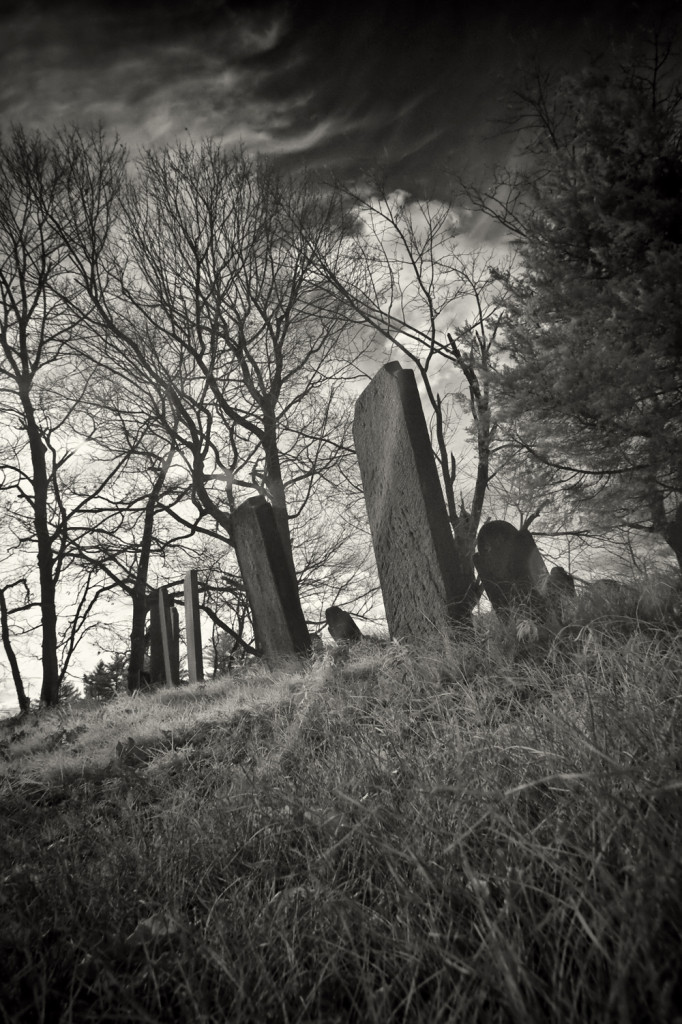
[(413, 86)]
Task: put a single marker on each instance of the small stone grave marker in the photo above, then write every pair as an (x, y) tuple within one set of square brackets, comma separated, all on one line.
[(342, 626)]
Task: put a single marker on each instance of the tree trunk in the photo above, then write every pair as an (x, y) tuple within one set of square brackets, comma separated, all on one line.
[(24, 702), (464, 546), (49, 693), (137, 638), (275, 485)]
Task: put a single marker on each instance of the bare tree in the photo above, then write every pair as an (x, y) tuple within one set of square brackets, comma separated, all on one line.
[(39, 333), (200, 278), (122, 535), (8, 610)]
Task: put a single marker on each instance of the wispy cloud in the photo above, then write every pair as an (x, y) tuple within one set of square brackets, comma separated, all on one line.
[(347, 88)]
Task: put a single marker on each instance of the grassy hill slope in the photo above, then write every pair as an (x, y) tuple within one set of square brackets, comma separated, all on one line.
[(460, 831)]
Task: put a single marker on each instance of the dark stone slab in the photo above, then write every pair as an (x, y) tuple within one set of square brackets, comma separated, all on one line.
[(422, 581), (511, 568), (560, 582), (342, 626), (271, 586)]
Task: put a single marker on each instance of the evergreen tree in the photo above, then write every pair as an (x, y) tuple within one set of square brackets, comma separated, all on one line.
[(106, 679), (593, 386)]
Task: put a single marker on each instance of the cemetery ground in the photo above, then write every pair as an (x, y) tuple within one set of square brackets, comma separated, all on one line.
[(460, 830)]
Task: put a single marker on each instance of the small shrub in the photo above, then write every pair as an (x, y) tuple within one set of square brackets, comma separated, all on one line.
[(107, 678)]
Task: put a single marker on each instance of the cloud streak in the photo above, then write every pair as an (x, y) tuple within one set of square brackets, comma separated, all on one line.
[(385, 84)]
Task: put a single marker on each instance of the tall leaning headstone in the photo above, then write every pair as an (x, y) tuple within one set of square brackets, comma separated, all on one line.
[(422, 580), (271, 586)]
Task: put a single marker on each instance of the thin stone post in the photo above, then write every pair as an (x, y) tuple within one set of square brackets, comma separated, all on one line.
[(270, 584), (423, 580), (175, 645), (195, 662)]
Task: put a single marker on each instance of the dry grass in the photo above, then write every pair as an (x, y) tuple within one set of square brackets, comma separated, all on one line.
[(82, 736), (463, 831)]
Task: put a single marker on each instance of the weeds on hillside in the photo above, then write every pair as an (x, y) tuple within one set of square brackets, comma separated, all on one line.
[(455, 832)]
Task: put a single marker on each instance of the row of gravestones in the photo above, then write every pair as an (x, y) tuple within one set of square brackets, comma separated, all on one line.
[(423, 581), (164, 635)]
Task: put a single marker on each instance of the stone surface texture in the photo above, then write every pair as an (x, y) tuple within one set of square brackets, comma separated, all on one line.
[(422, 582)]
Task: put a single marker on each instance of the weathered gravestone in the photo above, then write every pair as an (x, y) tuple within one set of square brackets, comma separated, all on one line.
[(342, 626), (560, 582), (423, 581), (195, 662), (511, 568), (271, 586)]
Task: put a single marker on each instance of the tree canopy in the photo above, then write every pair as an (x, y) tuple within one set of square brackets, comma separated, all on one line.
[(592, 380)]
